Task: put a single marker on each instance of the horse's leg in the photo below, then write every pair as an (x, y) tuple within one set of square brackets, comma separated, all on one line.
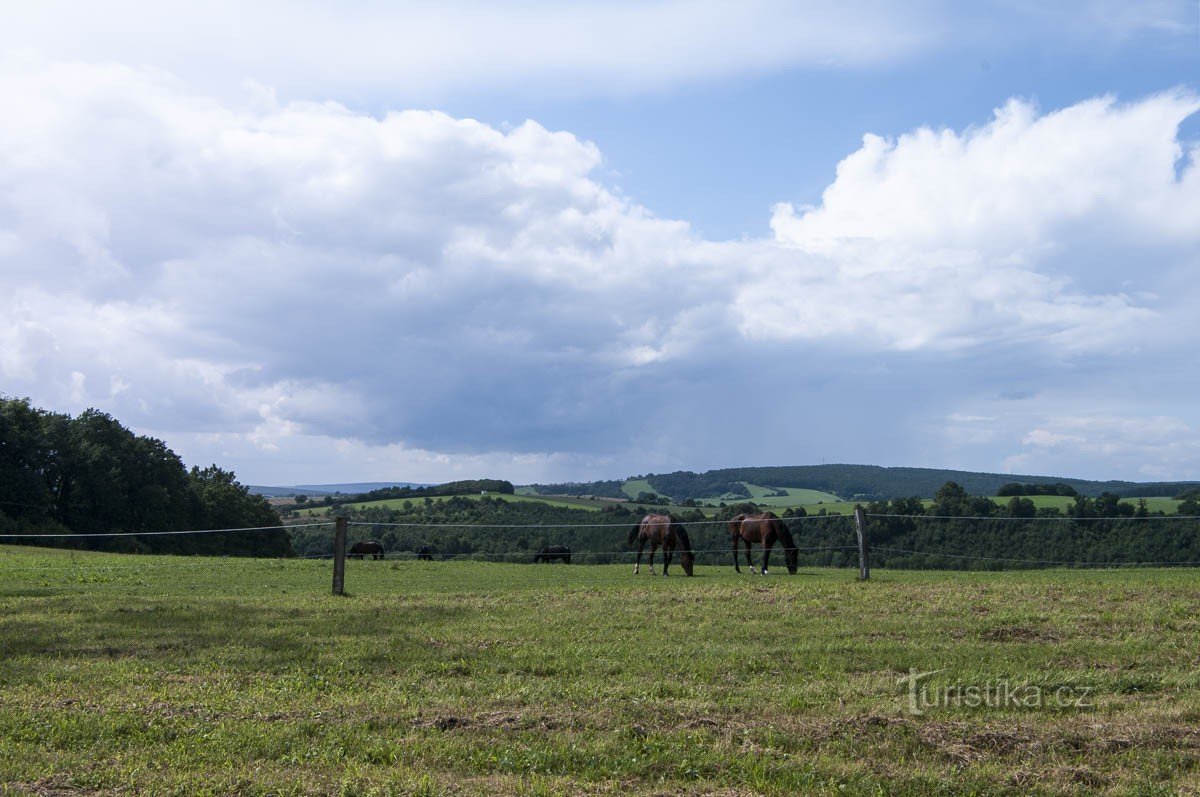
[(641, 545), (653, 548), (667, 549), (750, 556), (766, 555), (736, 566)]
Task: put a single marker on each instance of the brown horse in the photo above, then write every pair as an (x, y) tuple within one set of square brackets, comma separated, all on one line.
[(553, 553), (662, 530), (371, 548), (767, 528)]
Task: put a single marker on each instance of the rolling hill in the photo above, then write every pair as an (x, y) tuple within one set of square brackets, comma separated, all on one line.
[(847, 482)]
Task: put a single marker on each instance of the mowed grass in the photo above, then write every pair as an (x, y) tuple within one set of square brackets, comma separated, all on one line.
[(123, 674), (398, 503), (634, 487), (796, 496), (1154, 504), (1061, 502), (814, 501)]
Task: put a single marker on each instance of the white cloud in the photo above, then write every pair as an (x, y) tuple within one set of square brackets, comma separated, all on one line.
[(369, 52), (1146, 448), (1009, 187), (991, 234), (412, 49), (267, 278)]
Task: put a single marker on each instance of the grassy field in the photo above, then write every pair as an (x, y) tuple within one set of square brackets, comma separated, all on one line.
[(396, 503), (1156, 504), (634, 487), (197, 676), (796, 496), (813, 501)]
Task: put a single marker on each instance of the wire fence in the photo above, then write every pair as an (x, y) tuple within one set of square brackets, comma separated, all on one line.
[(829, 553)]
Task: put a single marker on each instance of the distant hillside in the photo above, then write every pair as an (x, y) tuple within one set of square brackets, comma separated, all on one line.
[(854, 482), (318, 490)]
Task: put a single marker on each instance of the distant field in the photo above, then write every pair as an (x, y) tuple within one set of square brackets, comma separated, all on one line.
[(159, 675), (398, 503), (1159, 504), (796, 496), (633, 487), (813, 501)]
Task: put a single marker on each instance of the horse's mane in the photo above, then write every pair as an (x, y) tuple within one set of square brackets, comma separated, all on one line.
[(784, 534), (682, 535)]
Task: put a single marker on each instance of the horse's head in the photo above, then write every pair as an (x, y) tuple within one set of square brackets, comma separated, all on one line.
[(687, 559), (790, 555)]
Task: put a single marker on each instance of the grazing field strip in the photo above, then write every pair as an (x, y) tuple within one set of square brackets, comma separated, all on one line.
[(227, 676)]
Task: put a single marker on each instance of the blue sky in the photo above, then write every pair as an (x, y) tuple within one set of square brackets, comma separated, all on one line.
[(546, 242)]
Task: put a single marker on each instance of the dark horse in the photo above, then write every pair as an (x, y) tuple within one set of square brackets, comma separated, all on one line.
[(372, 548), (662, 530), (553, 553), (425, 554), (767, 528)]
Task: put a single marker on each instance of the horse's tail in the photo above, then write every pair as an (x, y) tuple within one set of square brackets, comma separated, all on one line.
[(682, 535), (633, 535)]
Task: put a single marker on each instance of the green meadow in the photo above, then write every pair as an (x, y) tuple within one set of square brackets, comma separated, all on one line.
[(398, 503), (159, 675), (813, 501)]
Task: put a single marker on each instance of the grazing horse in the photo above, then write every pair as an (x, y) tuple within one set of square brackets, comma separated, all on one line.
[(553, 553), (665, 531), (372, 548), (425, 554), (767, 528)]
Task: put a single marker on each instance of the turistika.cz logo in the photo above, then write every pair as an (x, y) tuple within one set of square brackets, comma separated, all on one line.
[(1000, 693)]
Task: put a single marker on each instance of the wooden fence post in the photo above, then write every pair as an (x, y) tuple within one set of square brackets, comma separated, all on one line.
[(339, 557), (864, 555)]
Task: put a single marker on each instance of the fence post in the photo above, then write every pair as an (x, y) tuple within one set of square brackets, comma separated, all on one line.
[(864, 556), (339, 557)]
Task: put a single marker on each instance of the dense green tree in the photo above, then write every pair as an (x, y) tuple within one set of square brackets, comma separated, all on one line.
[(91, 475), (1021, 507)]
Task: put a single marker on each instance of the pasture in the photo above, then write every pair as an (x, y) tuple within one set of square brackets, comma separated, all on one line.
[(398, 503), (813, 501), (122, 674)]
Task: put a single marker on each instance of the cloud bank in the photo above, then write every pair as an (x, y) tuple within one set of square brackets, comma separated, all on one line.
[(302, 290), (369, 52)]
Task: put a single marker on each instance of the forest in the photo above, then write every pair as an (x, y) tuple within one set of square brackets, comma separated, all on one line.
[(90, 475), (857, 482), (957, 531)]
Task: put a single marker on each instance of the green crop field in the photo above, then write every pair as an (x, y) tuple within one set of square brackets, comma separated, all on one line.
[(633, 487), (814, 501), (796, 496), (398, 503), (1061, 502), (159, 675), (1157, 504)]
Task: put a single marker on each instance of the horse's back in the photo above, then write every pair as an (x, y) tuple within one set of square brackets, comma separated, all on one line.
[(655, 528), (759, 526)]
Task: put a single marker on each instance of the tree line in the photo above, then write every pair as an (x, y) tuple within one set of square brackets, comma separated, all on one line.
[(853, 482), (88, 475), (956, 531)]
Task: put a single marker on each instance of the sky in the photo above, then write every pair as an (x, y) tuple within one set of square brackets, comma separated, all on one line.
[(546, 242)]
